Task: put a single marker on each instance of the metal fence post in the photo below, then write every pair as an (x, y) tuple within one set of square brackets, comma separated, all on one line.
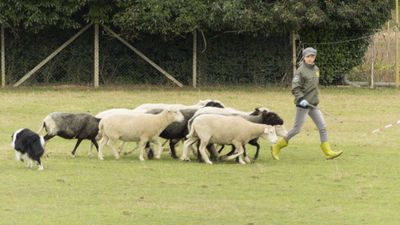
[(397, 45), (3, 58), (96, 54), (194, 69), (294, 58)]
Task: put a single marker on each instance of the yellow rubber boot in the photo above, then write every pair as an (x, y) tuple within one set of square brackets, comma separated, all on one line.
[(329, 153), (276, 148)]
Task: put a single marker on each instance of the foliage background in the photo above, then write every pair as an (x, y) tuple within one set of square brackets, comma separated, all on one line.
[(245, 41)]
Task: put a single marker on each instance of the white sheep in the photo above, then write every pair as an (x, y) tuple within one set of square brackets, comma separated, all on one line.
[(200, 104), (259, 115), (140, 127), (224, 129), (113, 111)]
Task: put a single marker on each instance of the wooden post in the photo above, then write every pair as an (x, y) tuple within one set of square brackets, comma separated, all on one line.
[(397, 45), (157, 67), (372, 65), (52, 55), (194, 69), (294, 58), (3, 58), (96, 55)]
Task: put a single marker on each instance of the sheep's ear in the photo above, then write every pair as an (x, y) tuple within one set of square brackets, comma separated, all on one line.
[(257, 109), (255, 113), (269, 129), (266, 130)]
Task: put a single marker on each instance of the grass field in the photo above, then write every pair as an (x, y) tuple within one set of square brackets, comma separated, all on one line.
[(360, 187)]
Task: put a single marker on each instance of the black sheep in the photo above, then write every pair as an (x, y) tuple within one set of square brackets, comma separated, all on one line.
[(71, 126)]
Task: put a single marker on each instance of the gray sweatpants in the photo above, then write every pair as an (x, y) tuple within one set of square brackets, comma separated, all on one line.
[(315, 115)]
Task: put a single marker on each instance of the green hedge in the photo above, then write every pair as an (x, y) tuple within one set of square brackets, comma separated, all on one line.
[(338, 51), (228, 59)]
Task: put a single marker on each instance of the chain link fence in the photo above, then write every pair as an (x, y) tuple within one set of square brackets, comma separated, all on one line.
[(222, 59)]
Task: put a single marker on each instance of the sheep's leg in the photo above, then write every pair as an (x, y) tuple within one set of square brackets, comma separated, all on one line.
[(255, 143), (240, 151), (150, 152), (48, 137), (186, 145), (213, 152), (110, 144), (222, 147), (121, 147), (94, 142), (233, 150), (246, 156), (76, 146), (159, 147), (240, 160), (103, 142), (196, 152), (142, 145), (229, 153), (172, 144), (202, 149), (129, 152)]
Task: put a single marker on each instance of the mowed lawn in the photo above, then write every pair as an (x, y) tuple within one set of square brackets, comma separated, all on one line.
[(360, 187)]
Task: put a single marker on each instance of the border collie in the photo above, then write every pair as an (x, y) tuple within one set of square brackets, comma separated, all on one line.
[(28, 144)]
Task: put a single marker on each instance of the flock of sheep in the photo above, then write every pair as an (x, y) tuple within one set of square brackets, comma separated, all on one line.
[(201, 125)]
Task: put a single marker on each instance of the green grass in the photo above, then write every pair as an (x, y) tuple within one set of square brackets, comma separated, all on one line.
[(360, 187)]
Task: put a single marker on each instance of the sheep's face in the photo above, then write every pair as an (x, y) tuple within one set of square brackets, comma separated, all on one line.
[(270, 134), (271, 118), (176, 115), (281, 131)]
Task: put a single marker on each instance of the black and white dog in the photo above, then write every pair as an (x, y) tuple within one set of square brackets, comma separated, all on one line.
[(30, 144)]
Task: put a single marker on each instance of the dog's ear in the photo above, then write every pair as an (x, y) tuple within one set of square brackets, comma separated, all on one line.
[(12, 140)]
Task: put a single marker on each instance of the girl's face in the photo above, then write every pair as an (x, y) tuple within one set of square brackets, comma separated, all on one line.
[(310, 59)]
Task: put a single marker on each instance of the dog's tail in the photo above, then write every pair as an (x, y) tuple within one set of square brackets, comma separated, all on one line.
[(43, 125)]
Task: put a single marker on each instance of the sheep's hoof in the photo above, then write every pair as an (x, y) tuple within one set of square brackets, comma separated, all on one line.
[(101, 158), (141, 159), (72, 155), (174, 156), (242, 162), (209, 162), (187, 159), (247, 160), (41, 168)]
